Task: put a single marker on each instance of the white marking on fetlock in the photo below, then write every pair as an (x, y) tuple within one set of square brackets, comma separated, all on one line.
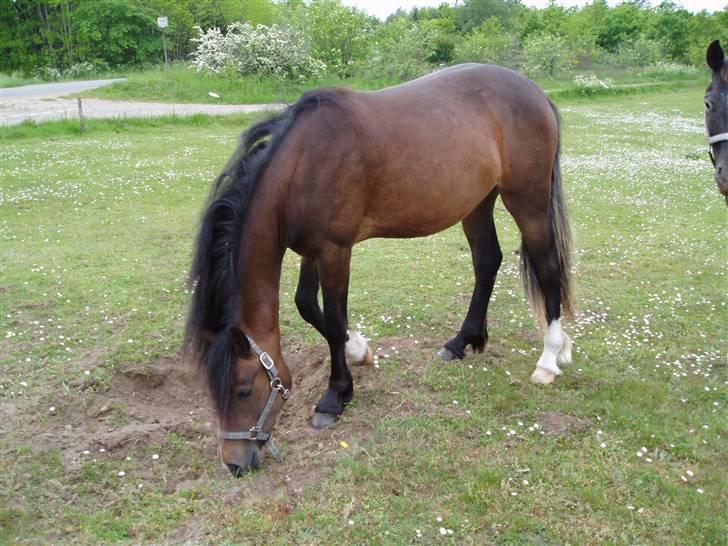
[(356, 348), (564, 356), (553, 343)]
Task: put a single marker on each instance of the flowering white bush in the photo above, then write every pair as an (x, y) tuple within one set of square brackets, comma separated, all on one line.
[(588, 85), (261, 50)]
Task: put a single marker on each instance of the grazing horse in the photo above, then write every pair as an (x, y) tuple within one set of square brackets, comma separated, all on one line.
[(341, 166), (716, 115)]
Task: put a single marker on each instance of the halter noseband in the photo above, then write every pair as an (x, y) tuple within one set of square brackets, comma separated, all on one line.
[(715, 139), (256, 432)]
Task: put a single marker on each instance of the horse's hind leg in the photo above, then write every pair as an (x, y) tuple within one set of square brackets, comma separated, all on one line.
[(487, 256), (543, 278), (357, 351)]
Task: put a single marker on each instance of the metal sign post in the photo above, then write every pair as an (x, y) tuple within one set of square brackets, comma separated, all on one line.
[(163, 23)]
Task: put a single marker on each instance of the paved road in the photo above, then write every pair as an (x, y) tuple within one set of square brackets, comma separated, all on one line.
[(53, 89), (45, 103)]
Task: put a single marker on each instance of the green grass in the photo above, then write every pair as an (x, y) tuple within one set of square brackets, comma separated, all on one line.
[(96, 232), (30, 129), (182, 84), (15, 80)]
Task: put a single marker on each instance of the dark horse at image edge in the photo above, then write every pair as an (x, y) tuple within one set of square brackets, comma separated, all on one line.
[(716, 115), (340, 166)]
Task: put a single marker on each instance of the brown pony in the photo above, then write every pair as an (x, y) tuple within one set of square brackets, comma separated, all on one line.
[(340, 166), (716, 115)]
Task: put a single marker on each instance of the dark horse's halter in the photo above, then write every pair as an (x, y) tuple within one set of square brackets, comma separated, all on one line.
[(721, 137), (256, 432)]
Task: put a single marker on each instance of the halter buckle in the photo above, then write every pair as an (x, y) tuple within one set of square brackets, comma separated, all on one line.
[(266, 361)]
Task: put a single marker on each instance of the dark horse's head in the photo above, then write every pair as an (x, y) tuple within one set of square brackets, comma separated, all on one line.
[(716, 115)]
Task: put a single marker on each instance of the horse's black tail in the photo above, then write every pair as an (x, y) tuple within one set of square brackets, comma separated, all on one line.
[(562, 243)]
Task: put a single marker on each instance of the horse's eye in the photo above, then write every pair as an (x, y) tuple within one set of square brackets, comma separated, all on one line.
[(243, 392), (707, 105)]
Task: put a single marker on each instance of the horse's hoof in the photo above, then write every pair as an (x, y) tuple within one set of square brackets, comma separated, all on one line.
[(322, 421), (542, 376), (446, 354)]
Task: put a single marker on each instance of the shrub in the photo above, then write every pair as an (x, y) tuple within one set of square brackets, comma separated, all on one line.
[(546, 54), (488, 43), (80, 70), (47, 73), (260, 50), (590, 85)]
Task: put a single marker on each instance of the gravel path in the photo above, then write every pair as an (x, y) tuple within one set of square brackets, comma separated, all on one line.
[(45, 102), (15, 111)]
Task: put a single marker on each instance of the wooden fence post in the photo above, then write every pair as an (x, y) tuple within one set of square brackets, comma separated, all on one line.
[(80, 114)]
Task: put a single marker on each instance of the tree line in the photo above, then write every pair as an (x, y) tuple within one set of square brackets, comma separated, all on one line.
[(60, 36)]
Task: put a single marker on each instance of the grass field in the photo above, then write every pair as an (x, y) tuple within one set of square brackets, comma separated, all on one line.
[(180, 83), (104, 435)]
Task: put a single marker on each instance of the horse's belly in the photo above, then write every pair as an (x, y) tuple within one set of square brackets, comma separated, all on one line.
[(421, 213)]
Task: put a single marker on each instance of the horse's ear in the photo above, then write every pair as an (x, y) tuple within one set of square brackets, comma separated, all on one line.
[(240, 342), (715, 56)]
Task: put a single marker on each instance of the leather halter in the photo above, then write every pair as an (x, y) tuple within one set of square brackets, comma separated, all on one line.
[(715, 139), (256, 432)]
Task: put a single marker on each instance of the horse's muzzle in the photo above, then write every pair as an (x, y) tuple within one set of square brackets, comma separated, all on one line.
[(241, 457)]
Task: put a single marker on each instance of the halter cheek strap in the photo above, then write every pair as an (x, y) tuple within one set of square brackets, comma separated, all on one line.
[(276, 386)]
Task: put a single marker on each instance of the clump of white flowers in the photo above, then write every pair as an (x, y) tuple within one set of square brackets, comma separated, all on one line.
[(255, 50), (588, 85)]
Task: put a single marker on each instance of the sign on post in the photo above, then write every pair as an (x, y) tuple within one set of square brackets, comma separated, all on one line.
[(163, 22)]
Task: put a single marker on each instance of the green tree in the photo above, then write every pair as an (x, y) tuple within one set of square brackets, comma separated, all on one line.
[(116, 32), (671, 28), (546, 55), (488, 43), (340, 36)]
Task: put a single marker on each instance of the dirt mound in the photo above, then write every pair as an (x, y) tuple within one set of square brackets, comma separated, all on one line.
[(559, 424)]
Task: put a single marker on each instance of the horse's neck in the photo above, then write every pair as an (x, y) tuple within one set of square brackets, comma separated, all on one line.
[(261, 258)]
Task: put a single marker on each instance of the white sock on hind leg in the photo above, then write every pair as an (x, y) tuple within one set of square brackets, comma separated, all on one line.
[(556, 346)]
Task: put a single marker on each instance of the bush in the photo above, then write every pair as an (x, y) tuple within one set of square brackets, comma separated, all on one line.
[(488, 43), (47, 73), (590, 85), (340, 35), (639, 52), (261, 50), (668, 71), (80, 70), (546, 55)]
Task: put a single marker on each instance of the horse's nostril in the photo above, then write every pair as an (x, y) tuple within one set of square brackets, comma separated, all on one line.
[(236, 470)]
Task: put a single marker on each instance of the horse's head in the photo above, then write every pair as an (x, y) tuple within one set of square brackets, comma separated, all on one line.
[(249, 387), (716, 115)]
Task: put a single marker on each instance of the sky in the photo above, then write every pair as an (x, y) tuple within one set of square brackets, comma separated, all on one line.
[(382, 8)]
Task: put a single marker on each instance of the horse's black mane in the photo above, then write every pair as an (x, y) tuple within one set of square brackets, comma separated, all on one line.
[(213, 277)]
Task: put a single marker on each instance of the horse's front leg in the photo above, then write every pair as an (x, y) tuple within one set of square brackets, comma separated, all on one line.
[(333, 270)]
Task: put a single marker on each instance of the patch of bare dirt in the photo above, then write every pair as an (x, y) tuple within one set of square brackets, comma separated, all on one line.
[(559, 424), (145, 404)]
